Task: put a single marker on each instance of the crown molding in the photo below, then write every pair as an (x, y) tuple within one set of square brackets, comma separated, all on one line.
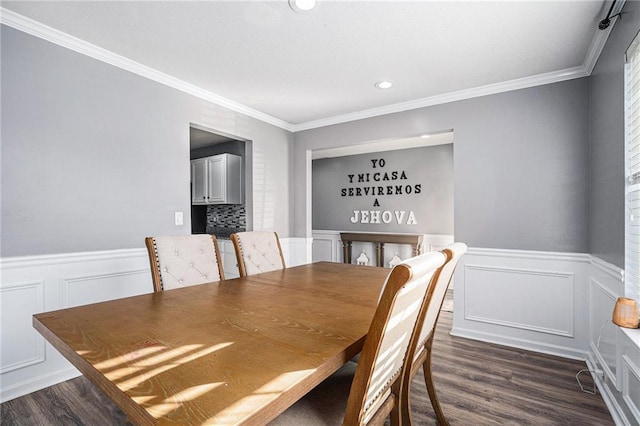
[(37, 29), (595, 49), (490, 89), (60, 38)]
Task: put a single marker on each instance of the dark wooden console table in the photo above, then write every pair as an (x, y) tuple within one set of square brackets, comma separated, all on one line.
[(379, 239)]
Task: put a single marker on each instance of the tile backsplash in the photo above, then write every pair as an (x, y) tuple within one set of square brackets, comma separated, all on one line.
[(227, 216)]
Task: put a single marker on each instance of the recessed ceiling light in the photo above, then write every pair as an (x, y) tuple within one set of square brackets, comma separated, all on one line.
[(302, 6), (384, 84), (425, 136)]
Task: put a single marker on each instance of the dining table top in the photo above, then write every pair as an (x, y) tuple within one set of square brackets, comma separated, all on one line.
[(238, 351)]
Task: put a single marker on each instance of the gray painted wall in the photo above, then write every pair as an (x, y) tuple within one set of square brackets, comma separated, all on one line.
[(94, 157), (97, 158), (520, 164), (606, 228), (336, 195)]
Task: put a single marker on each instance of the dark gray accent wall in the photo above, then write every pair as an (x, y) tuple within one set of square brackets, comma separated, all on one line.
[(417, 181), (521, 178), (97, 158), (606, 228)]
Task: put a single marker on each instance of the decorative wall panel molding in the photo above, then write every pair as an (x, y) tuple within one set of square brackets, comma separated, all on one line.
[(603, 334), (525, 299), (34, 284), (631, 385), (21, 345), (86, 289), (296, 251), (529, 299)]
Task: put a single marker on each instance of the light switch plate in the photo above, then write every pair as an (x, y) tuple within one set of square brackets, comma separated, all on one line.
[(179, 218)]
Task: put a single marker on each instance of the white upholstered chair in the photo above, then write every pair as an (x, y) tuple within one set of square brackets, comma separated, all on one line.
[(257, 252), (368, 392), (183, 260), (422, 341)]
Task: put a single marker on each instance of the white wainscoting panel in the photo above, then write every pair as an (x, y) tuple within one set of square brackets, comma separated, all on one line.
[(35, 284), (229, 259), (525, 299), (631, 383), (613, 355), (296, 251), (326, 246), (603, 333), (538, 300), (83, 290), (21, 345)]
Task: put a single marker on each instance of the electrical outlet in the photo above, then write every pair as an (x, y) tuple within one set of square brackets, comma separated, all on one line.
[(179, 218)]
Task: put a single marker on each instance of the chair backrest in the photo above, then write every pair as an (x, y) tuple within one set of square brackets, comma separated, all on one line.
[(437, 292), (183, 260), (257, 252), (377, 382)]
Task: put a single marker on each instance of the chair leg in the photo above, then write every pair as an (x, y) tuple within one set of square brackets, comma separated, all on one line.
[(405, 396), (428, 379), (395, 417)]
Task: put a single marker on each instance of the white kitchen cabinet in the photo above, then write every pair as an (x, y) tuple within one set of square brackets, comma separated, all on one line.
[(217, 180), (199, 181)]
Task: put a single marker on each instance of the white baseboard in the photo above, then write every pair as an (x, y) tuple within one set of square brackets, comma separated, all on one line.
[(33, 384), (525, 344)]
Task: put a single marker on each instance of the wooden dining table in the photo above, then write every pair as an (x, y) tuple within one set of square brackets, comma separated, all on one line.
[(238, 351)]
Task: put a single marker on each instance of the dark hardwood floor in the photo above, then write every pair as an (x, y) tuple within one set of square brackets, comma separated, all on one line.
[(486, 384), (477, 383)]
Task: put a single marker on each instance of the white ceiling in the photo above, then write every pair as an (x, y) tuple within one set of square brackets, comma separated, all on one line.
[(301, 71)]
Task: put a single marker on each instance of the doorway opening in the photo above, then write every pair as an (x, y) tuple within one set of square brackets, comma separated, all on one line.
[(393, 186), (214, 215)]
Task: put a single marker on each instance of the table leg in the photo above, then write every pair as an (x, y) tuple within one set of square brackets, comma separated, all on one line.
[(379, 254), (346, 252)]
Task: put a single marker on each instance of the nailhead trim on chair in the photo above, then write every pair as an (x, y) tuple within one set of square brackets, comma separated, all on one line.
[(157, 262)]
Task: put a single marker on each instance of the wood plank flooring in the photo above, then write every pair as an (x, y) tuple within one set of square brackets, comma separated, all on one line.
[(478, 384), (486, 384)]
